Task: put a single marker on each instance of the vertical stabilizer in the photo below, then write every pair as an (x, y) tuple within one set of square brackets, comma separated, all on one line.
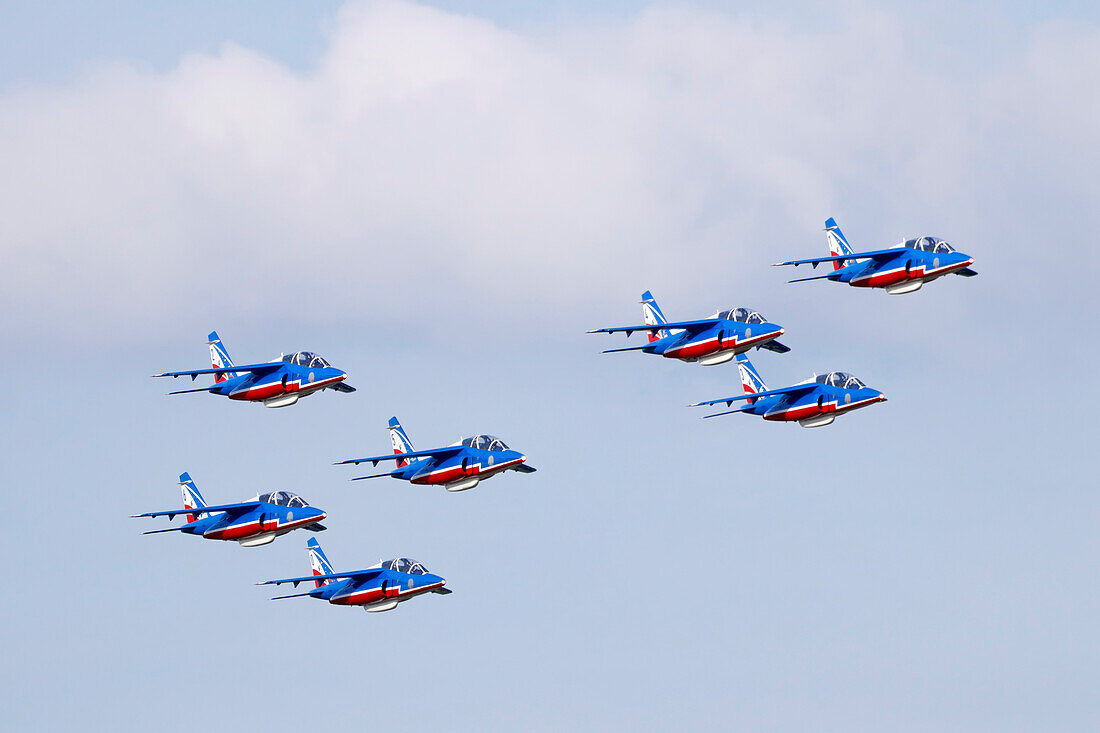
[(192, 499), (750, 378), (400, 441), (653, 316), (319, 562), (838, 243), (219, 357)]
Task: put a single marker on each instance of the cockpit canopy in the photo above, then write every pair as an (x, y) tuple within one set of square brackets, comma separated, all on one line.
[(485, 442), (306, 359), (743, 315), (405, 565), (283, 498), (840, 379), (929, 244)]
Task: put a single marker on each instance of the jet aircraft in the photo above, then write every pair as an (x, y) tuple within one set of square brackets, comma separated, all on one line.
[(903, 268), (457, 467), (377, 588), (277, 383), (813, 403), (251, 523), (709, 341)]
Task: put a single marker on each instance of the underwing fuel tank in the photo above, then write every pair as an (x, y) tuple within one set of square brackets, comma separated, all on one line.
[(257, 540), (283, 400), (714, 359), (907, 286), (386, 605), (462, 484)]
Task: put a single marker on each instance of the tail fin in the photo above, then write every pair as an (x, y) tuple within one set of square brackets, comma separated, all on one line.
[(750, 378), (192, 499), (400, 441), (838, 243), (652, 314), (219, 357), (319, 562)]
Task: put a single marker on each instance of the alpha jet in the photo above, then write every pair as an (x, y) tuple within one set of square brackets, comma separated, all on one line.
[(903, 268), (813, 403), (257, 521), (277, 383), (377, 588), (457, 467), (709, 341)]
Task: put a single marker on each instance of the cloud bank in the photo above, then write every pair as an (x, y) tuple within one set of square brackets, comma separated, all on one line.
[(430, 159)]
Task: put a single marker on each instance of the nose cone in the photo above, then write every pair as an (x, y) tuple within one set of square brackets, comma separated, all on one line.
[(319, 514), (879, 395)]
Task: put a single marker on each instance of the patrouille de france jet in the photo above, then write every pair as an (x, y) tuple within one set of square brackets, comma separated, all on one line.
[(709, 341), (277, 383), (813, 403), (901, 269), (377, 588), (456, 467), (257, 521)]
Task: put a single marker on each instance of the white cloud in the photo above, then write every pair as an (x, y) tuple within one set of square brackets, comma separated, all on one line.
[(430, 157)]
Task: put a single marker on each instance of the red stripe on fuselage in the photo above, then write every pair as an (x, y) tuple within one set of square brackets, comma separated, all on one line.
[(252, 528), (446, 475), (373, 595), (899, 274), (706, 347), (267, 391)]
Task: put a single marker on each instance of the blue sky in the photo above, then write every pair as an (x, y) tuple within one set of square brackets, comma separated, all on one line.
[(442, 199)]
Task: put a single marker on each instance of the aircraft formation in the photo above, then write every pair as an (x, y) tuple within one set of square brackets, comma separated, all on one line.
[(727, 335)]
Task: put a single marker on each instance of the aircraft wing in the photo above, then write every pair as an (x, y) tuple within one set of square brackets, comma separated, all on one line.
[(690, 326), (239, 508), (434, 453), (341, 387), (267, 366), (878, 254), (792, 390), (966, 272), (353, 575), (775, 346)]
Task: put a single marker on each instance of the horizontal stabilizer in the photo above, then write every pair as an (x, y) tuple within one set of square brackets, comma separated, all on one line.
[(746, 408), (775, 346), (816, 277), (267, 366), (966, 272), (341, 387), (794, 389), (298, 595), (231, 508), (200, 389), (376, 475), (878, 254), (698, 325), (354, 575), (170, 529), (434, 453), (628, 348), (524, 468)]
